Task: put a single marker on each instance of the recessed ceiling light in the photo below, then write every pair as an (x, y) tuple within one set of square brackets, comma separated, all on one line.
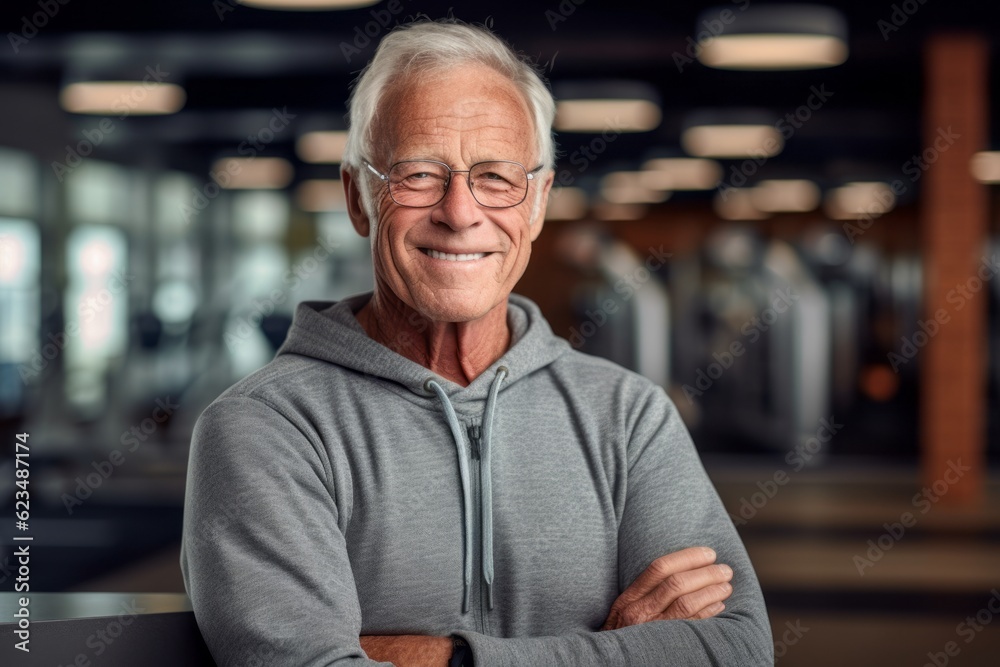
[(762, 52), (683, 173), (859, 199), (769, 37), (737, 204), (322, 147), (985, 166), (307, 5), (792, 195), (732, 141), (252, 173), (625, 187), (122, 98), (607, 115)]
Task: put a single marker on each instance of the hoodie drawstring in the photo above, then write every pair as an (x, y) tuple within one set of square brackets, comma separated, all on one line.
[(486, 482), (485, 485)]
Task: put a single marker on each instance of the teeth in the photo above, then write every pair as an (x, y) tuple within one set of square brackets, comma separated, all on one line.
[(465, 257)]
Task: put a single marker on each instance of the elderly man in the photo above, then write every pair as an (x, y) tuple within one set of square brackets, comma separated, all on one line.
[(425, 474)]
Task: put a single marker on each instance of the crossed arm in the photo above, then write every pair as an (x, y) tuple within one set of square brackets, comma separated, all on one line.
[(252, 594), (686, 584)]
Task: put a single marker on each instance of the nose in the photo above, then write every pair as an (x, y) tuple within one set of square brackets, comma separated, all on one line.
[(458, 209)]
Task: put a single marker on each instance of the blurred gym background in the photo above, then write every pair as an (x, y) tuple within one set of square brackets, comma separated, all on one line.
[(785, 214)]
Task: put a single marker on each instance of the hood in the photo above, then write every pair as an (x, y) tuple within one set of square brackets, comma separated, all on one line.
[(329, 331)]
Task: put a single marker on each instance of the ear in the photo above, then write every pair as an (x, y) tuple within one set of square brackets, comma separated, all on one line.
[(355, 208), (539, 221)]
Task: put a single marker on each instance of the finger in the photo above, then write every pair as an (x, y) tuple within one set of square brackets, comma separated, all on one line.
[(710, 611), (684, 583), (664, 566), (678, 589), (700, 604)]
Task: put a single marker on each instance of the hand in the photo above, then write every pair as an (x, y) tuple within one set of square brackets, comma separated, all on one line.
[(408, 650), (680, 585)]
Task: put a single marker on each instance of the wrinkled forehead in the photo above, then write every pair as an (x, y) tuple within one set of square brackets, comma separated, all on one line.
[(465, 112)]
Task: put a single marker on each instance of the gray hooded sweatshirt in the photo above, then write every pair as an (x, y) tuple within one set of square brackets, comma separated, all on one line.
[(344, 490)]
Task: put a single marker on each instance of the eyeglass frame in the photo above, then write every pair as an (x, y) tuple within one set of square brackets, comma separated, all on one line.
[(444, 193)]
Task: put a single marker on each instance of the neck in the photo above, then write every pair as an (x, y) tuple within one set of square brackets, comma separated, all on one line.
[(457, 351)]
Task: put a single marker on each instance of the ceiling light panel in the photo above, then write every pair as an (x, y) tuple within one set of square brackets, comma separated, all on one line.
[(772, 37), (122, 98), (732, 141), (607, 115)]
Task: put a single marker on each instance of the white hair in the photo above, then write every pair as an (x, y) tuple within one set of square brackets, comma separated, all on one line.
[(424, 47)]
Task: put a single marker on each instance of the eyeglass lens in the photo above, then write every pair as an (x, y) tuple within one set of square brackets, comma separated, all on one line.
[(494, 184)]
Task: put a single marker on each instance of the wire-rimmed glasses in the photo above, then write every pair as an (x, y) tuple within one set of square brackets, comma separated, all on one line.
[(423, 183)]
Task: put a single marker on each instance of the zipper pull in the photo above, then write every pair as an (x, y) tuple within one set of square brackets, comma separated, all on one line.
[(475, 433)]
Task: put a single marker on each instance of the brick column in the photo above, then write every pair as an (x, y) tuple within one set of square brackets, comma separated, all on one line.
[(954, 221)]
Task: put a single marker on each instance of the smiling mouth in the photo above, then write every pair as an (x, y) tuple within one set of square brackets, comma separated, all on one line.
[(451, 257)]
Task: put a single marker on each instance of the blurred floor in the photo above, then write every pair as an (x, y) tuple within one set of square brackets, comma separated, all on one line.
[(847, 583), (909, 603), (862, 639)]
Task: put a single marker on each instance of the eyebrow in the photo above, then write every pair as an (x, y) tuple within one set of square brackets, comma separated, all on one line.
[(423, 158)]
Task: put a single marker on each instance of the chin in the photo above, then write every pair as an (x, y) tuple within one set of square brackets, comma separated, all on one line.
[(467, 306)]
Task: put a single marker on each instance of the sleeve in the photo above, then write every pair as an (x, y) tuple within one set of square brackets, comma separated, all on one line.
[(670, 505), (263, 554)]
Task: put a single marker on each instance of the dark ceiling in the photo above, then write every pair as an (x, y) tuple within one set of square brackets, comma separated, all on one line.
[(237, 63)]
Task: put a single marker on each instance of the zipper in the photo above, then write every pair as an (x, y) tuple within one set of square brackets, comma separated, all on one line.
[(475, 433)]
